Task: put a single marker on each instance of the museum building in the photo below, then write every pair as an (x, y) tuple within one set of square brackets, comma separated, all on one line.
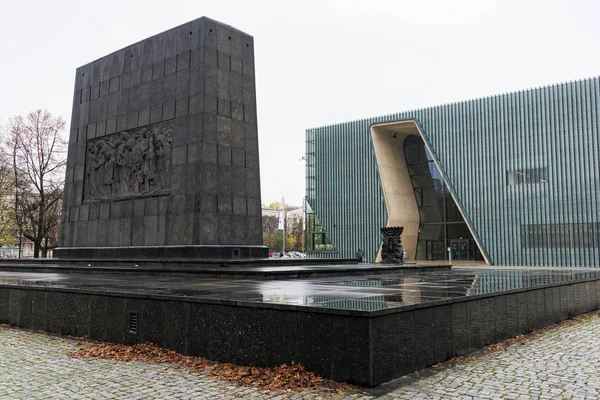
[(511, 179)]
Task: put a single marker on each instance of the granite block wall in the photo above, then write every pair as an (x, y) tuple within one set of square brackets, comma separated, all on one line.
[(366, 349), (163, 145)]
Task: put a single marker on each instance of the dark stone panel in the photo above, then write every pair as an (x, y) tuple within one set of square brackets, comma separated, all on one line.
[(590, 295), (474, 327), (532, 311), (224, 230), (101, 234), (460, 335), (114, 231), (442, 333), (564, 302), (116, 319), (405, 354), (272, 336), (540, 305), (597, 293), (239, 226), (512, 317), (548, 296), (14, 307), (501, 317), (92, 233), (38, 312), (572, 302), (584, 297), (315, 343), (522, 311), (97, 317), (150, 229), (125, 232), (551, 315), (585, 302), (255, 230), (224, 323), (424, 338), (175, 326), (4, 305), (137, 236), (198, 337), (151, 327), (251, 346), (75, 312), (54, 311), (385, 348), (577, 299), (488, 321), (555, 304), (26, 308), (351, 353)]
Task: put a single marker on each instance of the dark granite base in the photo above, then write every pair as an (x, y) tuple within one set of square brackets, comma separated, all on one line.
[(367, 348), (162, 252), (258, 269)]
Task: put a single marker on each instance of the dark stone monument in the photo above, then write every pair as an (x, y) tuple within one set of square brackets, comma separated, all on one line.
[(163, 150), (391, 245)]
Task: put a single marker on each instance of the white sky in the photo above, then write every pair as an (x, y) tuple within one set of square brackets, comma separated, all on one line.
[(318, 62)]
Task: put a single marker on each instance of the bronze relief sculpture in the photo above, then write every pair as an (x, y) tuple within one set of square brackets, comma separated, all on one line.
[(129, 163)]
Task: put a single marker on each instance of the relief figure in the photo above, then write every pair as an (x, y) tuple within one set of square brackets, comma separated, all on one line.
[(129, 163)]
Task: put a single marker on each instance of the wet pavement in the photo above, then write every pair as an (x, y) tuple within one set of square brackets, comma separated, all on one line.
[(365, 293)]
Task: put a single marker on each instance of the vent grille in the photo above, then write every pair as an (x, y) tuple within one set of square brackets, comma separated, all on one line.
[(133, 323)]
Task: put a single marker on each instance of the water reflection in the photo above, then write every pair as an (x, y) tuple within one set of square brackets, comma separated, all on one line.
[(365, 293), (378, 292)]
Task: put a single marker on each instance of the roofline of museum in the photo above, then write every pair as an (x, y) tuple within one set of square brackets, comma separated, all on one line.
[(382, 118)]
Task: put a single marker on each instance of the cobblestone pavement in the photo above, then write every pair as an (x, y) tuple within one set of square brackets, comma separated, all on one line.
[(562, 363)]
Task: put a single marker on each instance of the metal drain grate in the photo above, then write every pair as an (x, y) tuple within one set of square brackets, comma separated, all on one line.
[(133, 323)]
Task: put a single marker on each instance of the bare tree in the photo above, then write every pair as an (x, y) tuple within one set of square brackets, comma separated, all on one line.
[(271, 235), (39, 159), (7, 220)]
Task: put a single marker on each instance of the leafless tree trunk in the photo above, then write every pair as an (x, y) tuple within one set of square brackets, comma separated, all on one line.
[(39, 159)]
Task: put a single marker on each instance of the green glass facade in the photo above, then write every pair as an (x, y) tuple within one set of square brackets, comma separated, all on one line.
[(522, 167)]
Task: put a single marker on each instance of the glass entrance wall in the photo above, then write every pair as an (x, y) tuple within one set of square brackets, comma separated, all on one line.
[(441, 225), (316, 238)]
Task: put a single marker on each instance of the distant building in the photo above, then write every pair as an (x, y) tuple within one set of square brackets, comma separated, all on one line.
[(13, 251), (511, 179)]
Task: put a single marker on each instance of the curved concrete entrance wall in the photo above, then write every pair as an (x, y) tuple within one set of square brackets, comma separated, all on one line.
[(402, 209)]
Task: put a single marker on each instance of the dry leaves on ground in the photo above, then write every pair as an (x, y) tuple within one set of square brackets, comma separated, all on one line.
[(285, 377), (522, 339)]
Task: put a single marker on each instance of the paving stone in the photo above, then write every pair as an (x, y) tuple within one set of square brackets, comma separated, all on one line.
[(561, 363)]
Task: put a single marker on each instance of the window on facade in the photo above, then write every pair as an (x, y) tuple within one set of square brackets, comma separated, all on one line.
[(525, 176), (583, 235), (316, 237)]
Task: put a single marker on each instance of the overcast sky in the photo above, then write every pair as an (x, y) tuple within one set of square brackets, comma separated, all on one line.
[(317, 62)]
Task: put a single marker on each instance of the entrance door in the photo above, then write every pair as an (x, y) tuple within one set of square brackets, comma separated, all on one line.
[(460, 249)]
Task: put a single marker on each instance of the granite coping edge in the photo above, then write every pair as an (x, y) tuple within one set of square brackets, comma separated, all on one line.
[(292, 307), (208, 261), (241, 270)]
